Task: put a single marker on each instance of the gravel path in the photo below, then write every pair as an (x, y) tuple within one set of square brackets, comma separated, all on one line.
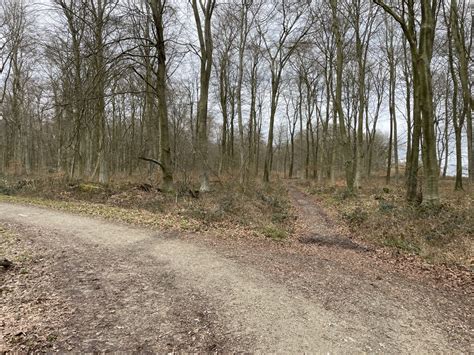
[(97, 286)]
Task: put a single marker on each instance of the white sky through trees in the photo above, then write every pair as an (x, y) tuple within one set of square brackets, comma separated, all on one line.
[(46, 22)]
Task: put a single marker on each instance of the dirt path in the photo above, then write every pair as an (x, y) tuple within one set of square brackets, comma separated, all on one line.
[(100, 286)]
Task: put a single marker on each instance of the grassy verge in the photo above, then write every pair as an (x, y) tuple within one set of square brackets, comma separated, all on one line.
[(230, 209)]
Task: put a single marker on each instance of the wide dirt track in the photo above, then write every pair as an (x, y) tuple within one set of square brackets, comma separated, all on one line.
[(94, 285)]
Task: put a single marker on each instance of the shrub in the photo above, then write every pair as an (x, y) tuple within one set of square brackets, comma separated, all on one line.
[(356, 217), (5, 188), (345, 194), (402, 244), (274, 233), (227, 203), (385, 206), (279, 206)]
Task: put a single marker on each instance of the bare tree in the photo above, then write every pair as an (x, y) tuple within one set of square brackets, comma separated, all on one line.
[(205, 9), (113, 81), (279, 48), (245, 26), (344, 137), (17, 46), (457, 20), (225, 45), (362, 18), (6, 38), (392, 81), (158, 8), (421, 49)]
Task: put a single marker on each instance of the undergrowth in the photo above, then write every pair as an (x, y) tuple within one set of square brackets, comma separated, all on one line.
[(253, 209), (380, 215)]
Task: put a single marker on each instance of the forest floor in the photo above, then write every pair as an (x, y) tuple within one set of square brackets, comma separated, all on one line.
[(82, 283), (380, 216)]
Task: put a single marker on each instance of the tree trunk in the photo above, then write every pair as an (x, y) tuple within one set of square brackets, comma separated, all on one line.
[(343, 135), (430, 162), (157, 8), (206, 47), (274, 103), (468, 100)]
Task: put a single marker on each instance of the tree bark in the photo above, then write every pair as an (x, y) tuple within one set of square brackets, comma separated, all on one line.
[(206, 49), (157, 8)]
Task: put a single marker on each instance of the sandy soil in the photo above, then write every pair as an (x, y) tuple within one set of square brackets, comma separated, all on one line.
[(83, 284)]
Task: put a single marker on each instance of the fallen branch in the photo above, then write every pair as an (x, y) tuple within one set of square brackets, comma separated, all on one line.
[(153, 161)]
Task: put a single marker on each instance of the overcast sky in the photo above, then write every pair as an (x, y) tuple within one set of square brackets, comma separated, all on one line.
[(45, 18)]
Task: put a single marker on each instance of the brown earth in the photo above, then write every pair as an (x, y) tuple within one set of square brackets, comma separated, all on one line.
[(83, 284)]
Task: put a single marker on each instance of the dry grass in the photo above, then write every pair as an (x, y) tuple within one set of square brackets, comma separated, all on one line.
[(380, 215), (251, 210)]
